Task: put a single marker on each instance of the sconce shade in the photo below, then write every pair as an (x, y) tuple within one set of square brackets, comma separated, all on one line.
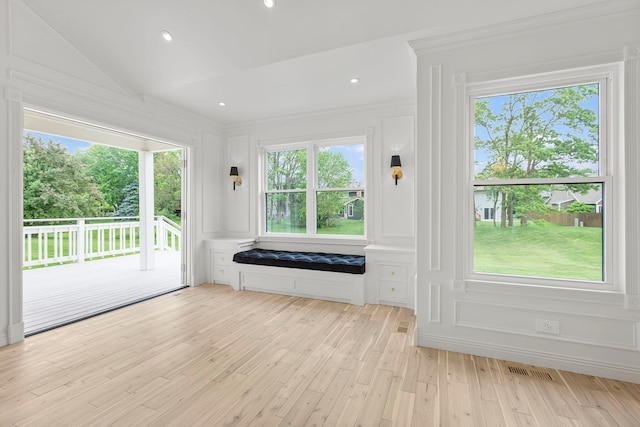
[(236, 179), (396, 174)]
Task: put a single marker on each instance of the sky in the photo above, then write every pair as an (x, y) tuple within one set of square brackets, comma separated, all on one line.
[(72, 145), (354, 154), (495, 104)]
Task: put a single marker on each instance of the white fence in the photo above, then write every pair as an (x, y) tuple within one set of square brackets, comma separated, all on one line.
[(56, 241)]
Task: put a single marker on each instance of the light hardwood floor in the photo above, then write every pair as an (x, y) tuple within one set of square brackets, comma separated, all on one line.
[(214, 357)]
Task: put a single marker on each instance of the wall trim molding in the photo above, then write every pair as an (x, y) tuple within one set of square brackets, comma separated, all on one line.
[(46, 95), (532, 357), (632, 175), (12, 94), (15, 126), (632, 302), (631, 52), (434, 145), (629, 342), (435, 302)]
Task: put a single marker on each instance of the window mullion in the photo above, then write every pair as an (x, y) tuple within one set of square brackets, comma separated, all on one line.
[(538, 181), (311, 190)]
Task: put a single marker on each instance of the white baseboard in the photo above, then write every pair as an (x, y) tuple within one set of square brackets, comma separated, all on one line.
[(537, 358), (15, 333)]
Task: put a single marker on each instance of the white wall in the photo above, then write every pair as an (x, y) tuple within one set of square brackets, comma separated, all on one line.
[(389, 209), (599, 331), (39, 69)]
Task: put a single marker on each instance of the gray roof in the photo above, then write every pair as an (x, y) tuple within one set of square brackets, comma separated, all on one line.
[(558, 197)]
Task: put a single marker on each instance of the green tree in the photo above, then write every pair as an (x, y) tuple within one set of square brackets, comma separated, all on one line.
[(55, 184), (286, 170), (542, 134), (112, 169), (167, 182), (579, 207), (333, 172), (130, 205)]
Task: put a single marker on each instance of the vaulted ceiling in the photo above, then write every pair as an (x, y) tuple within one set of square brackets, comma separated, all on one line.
[(295, 58)]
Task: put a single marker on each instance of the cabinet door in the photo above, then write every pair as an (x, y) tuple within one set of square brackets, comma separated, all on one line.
[(393, 291), (222, 258), (394, 272), (222, 274), (221, 266)]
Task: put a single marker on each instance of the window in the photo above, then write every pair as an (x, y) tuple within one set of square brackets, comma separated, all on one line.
[(540, 181), (316, 188), (488, 213)]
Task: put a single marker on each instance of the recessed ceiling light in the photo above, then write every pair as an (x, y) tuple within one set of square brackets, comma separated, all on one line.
[(269, 3), (354, 80), (166, 35), (222, 104)]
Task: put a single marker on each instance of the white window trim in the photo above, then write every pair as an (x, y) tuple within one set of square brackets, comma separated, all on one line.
[(609, 77), (312, 147)]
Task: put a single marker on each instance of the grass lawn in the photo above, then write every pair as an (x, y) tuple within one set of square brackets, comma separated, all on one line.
[(352, 227), (285, 227), (543, 250)]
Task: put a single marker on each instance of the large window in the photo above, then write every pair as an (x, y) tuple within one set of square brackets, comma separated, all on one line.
[(540, 180), (316, 188)]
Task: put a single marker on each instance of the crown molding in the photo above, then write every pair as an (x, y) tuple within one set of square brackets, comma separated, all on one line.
[(482, 34), (363, 108)]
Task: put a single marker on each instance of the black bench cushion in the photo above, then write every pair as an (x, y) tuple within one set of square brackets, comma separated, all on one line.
[(353, 264)]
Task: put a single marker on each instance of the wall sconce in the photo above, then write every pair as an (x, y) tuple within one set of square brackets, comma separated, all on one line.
[(395, 164), (236, 179)]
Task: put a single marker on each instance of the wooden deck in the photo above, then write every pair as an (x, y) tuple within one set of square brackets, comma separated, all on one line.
[(61, 294)]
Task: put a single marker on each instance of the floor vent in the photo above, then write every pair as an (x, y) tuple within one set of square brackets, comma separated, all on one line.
[(403, 327), (527, 371)]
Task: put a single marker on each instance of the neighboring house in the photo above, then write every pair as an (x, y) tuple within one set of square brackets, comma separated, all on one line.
[(562, 199), (487, 210), (354, 209), (487, 206)]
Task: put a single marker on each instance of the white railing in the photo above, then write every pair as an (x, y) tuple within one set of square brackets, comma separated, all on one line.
[(56, 241)]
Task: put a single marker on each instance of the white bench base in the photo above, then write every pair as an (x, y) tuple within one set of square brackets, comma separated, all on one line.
[(326, 285)]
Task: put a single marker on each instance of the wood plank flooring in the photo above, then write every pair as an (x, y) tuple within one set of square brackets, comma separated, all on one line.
[(212, 356)]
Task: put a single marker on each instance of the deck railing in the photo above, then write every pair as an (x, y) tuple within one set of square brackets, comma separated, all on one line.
[(57, 241)]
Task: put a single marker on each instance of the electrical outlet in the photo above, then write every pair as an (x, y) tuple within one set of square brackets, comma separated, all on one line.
[(548, 326)]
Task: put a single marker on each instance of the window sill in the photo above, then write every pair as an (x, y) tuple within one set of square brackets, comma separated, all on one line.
[(608, 295), (316, 240)]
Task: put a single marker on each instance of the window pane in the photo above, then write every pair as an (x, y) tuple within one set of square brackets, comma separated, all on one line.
[(543, 134), (287, 170), (340, 212), (341, 166), (542, 231), (286, 212)]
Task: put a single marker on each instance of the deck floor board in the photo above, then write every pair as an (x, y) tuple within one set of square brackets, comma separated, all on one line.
[(61, 294)]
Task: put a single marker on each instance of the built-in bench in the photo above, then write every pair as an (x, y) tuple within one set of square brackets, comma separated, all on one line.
[(307, 274)]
